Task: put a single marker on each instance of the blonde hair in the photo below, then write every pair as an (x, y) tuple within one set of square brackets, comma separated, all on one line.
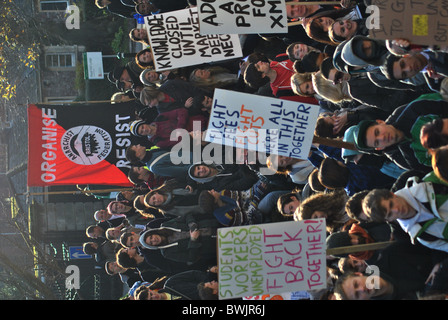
[(327, 90), (219, 77), (120, 97), (149, 93), (299, 78)]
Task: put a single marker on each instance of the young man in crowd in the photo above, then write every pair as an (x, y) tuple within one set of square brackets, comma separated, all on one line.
[(419, 211)]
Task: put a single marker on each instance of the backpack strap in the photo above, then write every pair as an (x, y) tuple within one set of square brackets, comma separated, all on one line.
[(426, 236)]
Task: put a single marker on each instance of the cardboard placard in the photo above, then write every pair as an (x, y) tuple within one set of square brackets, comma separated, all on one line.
[(271, 258), (242, 16), (176, 42), (420, 22), (262, 124)]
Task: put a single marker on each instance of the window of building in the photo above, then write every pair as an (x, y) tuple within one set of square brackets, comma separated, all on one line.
[(60, 60), (54, 5)]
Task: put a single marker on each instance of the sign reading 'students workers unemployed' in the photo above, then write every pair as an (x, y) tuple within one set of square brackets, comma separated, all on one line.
[(271, 258), (176, 41), (242, 16), (262, 124)]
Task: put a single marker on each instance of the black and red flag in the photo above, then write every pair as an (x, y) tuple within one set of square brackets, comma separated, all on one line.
[(79, 143)]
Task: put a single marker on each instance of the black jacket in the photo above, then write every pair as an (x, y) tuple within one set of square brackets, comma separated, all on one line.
[(185, 284), (403, 119)]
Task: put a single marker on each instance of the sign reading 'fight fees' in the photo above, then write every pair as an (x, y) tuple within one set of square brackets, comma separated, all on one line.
[(262, 124)]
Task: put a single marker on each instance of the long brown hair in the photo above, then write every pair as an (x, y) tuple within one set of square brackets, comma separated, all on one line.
[(332, 203)]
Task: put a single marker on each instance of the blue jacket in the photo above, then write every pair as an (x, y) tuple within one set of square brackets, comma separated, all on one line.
[(160, 162), (362, 177)]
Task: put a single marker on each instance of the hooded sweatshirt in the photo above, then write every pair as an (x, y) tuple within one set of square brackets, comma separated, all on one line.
[(180, 246), (229, 176), (350, 58), (353, 55)]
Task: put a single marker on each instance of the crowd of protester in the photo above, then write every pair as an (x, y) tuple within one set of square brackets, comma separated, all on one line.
[(386, 98)]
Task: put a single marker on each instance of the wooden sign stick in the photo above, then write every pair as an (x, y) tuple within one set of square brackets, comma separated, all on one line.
[(358, 248), (334, 143), (294, 23), (311, 3)]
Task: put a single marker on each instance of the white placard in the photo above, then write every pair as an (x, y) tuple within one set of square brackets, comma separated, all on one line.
[(271, 258), (242, 16), (262, 124), (176, 42)]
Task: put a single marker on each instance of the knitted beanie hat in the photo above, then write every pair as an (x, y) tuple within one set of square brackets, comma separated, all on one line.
[(339, 239), (134, 127)]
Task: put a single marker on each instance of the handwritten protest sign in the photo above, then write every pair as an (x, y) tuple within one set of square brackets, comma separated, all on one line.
[(262, 124), (242, 16), (271, 258), (421, 22), (176, 42)]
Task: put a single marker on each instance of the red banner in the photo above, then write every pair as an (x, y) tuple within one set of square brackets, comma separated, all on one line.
[(79, 144)]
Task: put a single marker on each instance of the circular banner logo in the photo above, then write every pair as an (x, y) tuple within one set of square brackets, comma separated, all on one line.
[(86, 145)]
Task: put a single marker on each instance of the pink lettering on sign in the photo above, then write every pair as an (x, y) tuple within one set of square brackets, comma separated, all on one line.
[(295, 257), (282, 255), (315, 247)]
